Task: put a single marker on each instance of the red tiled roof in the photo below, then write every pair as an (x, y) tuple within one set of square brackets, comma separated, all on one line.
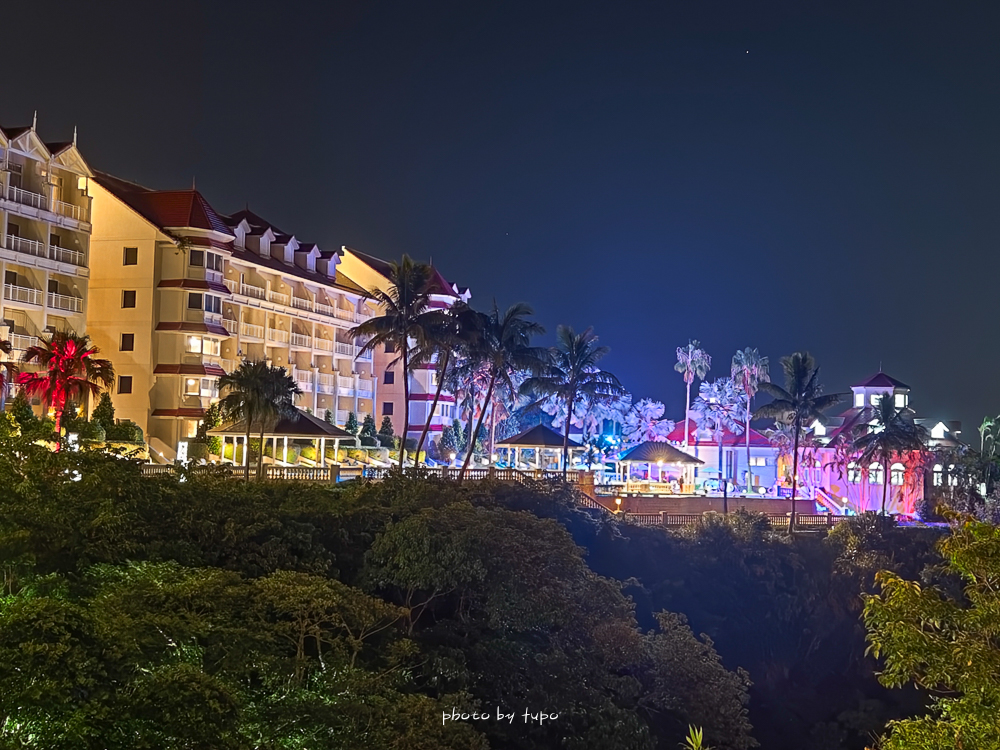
[(199, 284), (880, 380), (438, 284), (165, 208), (193, 328), (205, 369), (677, 436), (191, 412)]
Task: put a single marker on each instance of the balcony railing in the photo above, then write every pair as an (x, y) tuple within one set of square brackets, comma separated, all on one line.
[(22, 343), (229, 365), (342, 416), (324, 344), (231, 285), (65, 302), (345, 385), (215, 318), (68, 209), (275, 334), (343, 314), (26, 246), (249, 290), (302, 304), (216, 276), (66, 255), (278, 298), (250, 331), (325, 382), (364, 388), (323, 309), (301, 340), (24, 294), (27, 198), (231, 325), (364, 356), (346, 350)]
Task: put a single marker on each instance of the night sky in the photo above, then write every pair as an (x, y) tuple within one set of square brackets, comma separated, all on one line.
[(809, 176)]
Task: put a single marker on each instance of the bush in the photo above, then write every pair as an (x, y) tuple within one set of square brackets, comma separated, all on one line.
[(198, 450), (368, 441), (125, 431), (92, 432)]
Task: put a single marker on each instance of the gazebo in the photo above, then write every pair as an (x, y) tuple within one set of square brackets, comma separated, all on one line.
[(302, 426), (540, 439), (662, 456)]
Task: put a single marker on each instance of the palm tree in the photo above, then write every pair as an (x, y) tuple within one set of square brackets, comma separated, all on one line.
[(718, 408), (890, 433), (749, 369), (443, 340), (8, 370), (572, 377), (405, 316), (278, 401), (245, 401), (71, 371), (501, 348), (798, 404), (693, 362)]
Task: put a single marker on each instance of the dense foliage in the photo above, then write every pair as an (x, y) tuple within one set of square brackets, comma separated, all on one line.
[(203, 612)]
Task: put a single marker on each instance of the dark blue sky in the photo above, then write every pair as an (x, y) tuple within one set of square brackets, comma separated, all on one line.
[(801, 175)]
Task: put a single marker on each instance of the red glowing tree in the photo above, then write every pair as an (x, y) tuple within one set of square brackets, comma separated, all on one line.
[(70, 370)]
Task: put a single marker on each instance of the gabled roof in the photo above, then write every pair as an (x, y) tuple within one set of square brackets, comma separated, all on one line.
[(880, 380), (653, 452), (58, 147), (303, 425), (538, 436), (12, 133), (165, 208), (677, 436)]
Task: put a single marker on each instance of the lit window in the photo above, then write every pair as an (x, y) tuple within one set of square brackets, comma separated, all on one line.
[(938, 477), (194, 344), (939, 430), (859, 399), (211, 346), (896, 473), (853, 474), (874, 398), (818, 429), (876, 474), (190, 428), (900, 400), (758, 461), (952, 479), (192, 387)]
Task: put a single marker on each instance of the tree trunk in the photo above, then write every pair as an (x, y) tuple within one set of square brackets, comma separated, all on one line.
[(687, 408), (795, 476), (434, 404), (406, 403), (260, 455), (569, 422), (246, 453), (885, 482), (479, 425)]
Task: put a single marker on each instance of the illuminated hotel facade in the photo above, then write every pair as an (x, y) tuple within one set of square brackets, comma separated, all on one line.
[(45, 233), (180, 294)]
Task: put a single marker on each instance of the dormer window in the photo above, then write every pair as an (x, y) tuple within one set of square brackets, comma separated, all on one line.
[(818, 429), (939, 431), (874, 398), (859, 400), (900, 400)]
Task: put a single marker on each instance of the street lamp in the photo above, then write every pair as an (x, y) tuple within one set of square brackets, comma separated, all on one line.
[(452, 457), (618, 505)]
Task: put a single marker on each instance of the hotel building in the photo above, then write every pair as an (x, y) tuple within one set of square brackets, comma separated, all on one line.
[(45, 233), (180, 294)]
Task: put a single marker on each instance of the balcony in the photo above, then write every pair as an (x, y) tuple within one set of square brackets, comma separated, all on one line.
[(364, 388), (231, 325), (302, 304), (277, 335), (214, 318), (65, 255), (67, 303), (278, 298), (23, 294), (343, 314), (364, 356), (323, 344), (324, 309), (302, 341), (325, 382), (345, 385), (216, 276), (26, 246), (231, 285), (345, 350), (27, 198), (250, 331), (68, 209), (304, 380), (249, 290), (342, 416)]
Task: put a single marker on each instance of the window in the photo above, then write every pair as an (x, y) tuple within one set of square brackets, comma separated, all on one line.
[(876, 474), (952, 478), (938, 478), (128, 342), (213, 304), (128, 298), (202, 345), (896, 473), (130, 256), (124, 383), (194, 301), (390, 348), (875, 397), (853, 474), (390, 377), (54, 240), (387, 409), (434, 377), (900, 400), (213, 262), (859, 399), (197, 258), (192, 387), (758, 461)]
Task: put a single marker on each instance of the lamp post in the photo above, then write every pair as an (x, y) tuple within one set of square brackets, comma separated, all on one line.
[(618, 505)]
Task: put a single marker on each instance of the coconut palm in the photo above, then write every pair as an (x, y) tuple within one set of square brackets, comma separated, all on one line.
[(278, 391), (749, 370), (404, 317), (797, 405), (246, 401), (8, 371), (71, 371), (889, 434), (502, 347), (572, 377), (692, 362), (718, 409), (644, 422)]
